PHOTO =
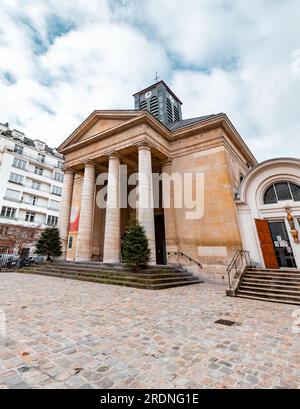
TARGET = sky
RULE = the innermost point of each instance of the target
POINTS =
(62, 59)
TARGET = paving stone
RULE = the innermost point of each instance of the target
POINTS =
(74, 381)
(105, 383)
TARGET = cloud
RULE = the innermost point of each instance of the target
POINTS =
(59, 60)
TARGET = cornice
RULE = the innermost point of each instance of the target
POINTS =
(136, 118)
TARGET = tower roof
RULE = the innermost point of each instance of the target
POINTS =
(155, 86)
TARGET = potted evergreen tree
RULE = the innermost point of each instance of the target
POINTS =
(135, 248)
(49, 243)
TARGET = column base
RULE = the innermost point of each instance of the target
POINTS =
(111, 261)
(80, 259)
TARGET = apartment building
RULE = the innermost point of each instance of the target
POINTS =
(31, 180)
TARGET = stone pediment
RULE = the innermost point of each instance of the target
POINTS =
(96, 123)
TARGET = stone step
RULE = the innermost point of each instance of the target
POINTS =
(269, 299)
(269, 275)
(267, 295)
(106, 268)
(270, 289)
(145, 285)
(114, 273)
(267, 283)
(271, 280)
(275, 270)
(98, 265)
(111, 276)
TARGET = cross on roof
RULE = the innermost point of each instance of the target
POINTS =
(156, 77)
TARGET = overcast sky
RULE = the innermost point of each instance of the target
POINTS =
(61, 59)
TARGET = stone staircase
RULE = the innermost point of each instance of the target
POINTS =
(281, 286)
(150, 278)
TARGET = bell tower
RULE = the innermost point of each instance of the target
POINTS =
(160, 101)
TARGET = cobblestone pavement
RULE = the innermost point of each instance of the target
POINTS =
(72, 334)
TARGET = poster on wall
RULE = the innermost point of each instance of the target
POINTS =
(74, 219)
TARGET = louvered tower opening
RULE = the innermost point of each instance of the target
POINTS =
(176, 114)
(169, 111)
(143, 105)
(154, 106)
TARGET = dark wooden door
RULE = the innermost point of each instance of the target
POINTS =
(160, 242)
(266, 243)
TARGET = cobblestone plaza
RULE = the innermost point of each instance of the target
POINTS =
(68, 334)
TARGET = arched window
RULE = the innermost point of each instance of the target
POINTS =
(282, 191)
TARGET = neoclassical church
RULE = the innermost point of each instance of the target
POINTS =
(154, 138)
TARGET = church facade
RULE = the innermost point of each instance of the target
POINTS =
(153, 139)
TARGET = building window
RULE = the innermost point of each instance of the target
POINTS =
(52, 220)
(11, 194)
(18, 149)
(53, 204)
(70, 242)
(58, 176)
(38, 171)
(56, 190)
(41, 158)
(35, 185)
(60, 165)
(19, 163)
(29, 217)
(15, 178)
(282, 191)
(8, 212)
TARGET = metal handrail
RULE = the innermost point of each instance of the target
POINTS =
(240, 257)
(176, 253)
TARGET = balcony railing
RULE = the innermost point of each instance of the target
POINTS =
(31, 158)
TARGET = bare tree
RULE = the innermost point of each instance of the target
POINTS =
(22, 236)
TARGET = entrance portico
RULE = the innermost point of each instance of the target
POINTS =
(82, 242)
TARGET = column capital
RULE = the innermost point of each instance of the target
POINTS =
(89, 163)
(68, 170)
(167, 162)
(143, 145)
(113, 155)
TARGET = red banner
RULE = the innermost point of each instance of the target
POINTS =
(74, 219)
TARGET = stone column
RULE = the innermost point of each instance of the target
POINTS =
(169, 210)
(145, 208)
(84, 240)
(112, 242)
(65, 210)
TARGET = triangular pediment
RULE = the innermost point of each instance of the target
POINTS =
(97, 123)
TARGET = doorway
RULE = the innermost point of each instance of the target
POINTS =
(282, 245)
(160, 241)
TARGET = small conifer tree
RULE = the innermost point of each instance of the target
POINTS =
(135, 248)
(49, 243)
